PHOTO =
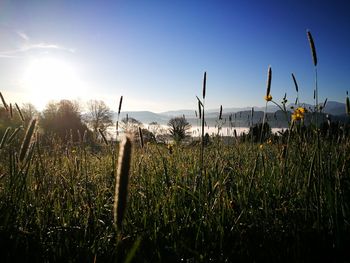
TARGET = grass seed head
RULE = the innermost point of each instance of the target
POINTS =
(268, 97)
(204, 84)
(11, 111)
(120, 104)
(295, 83)
(122, 181)
(325, 103)
(199, 108)
(4, 102)
(19, 112)
(312, 47)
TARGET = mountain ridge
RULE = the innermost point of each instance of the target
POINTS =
(332, 107)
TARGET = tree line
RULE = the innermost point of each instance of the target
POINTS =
(65, 120)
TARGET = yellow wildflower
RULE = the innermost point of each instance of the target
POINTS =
(299, 114)
(296, 117)
(268, 98)
(301, 110)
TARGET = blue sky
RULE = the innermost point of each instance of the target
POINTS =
(154, 53)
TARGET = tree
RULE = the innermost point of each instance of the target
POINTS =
(179, 128)
(156, 129)
(29, 112)
(99, 115)
(62, 119)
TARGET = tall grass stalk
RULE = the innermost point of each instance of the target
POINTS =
(4, 137)
(103, 136)
(19, 112)
(26, 140)
(296, 88)
(13, 135)
(11, 111)
(122, 181)
(201, 115)
(203, 120)
(141, 138)
(319, 178)
(267, 98)
(252, 123)
(314, 60)
(119, 109)
(4, 102)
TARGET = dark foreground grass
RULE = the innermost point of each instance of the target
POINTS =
(276, 202)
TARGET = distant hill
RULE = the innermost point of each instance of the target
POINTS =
(335, 108)
(175, 113)
(143, 116)
(332, 107)
(241, 117)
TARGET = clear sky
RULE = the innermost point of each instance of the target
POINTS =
(154, 53)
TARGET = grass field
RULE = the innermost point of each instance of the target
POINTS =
(286, 199)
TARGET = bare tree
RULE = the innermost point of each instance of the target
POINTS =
(179, 128)
(156, 128)
(99, 115)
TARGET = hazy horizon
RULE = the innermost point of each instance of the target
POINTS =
(155, 53)
(83, 107)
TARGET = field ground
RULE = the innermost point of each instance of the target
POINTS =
(286, 199)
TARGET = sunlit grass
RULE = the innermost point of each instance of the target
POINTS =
(257, 200)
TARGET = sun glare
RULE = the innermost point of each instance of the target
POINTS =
(48, 79)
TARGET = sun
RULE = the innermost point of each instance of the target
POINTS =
(49, 78)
